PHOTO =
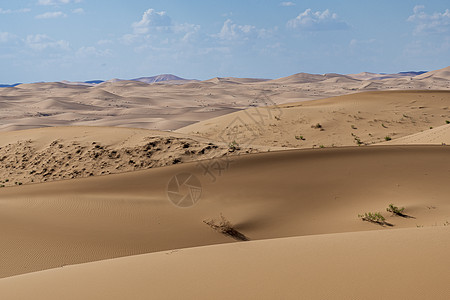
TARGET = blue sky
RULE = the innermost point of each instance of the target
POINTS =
(53, 40)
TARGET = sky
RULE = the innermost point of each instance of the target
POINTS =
(79, 40)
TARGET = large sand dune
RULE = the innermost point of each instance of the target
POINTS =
(57, 153)
(395, 264)
(350, 120)
(150, 227)
(269, 195)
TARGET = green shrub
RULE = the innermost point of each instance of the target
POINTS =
(395, 210)
(376, 218)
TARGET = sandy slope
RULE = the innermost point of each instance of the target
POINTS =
(396, 264)
(268, 195)
(56, 153)
(435, 136)
(364, 118)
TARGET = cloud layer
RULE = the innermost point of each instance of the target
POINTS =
(430, 23)
(317, 21)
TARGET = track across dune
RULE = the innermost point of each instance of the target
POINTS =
(268, 195)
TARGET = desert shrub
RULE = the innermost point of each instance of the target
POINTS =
(376, 218)
(387, 138)
(300, 137)
(225, 227)
(233, 146)
(395, 210)
(447, 122)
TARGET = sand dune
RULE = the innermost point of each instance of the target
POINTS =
(49, 154)
(181, 103)
(268, 195)
(149, 227)
(394, 264)
(435, 136)
(350, 120)
(441, 73)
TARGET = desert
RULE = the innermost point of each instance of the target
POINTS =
(79, 199)
(224, 150)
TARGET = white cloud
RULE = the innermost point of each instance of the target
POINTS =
(317, 21)
(287, 3)
(151, 18)
(188, 30)
(6, 37)
(57, 2)
(51, 15)
(42, 42)
(10, 11)
(92, 51)
(104, 42)
(430, 23)
(232, 31)
(78, 11)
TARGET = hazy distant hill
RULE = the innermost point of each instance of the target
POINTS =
(9, 85)
(158, 78)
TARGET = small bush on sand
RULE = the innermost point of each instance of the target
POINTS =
(376, 218)
(395, 210)
(387, 138)
(225, 227)
(233, 146)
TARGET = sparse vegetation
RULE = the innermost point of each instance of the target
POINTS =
(384, 126)
(317, 126)
(321, 146)
(225, 227)
(354, 127)
(387, 138)
(376, 218)
(300, 137)
(233, 146)
(447, 122)
(395, 210)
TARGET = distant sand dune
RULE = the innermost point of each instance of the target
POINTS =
(350, 120)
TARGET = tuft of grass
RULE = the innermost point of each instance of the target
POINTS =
(376, 218)
(447, 122)
(226, 228)
(394, 209)
(384, 126)
(233, 146)
(397, 211)
(300, 137)
(387, 138)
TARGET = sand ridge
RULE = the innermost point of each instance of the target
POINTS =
(172, 106)
(351, 120)
(266, 195)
